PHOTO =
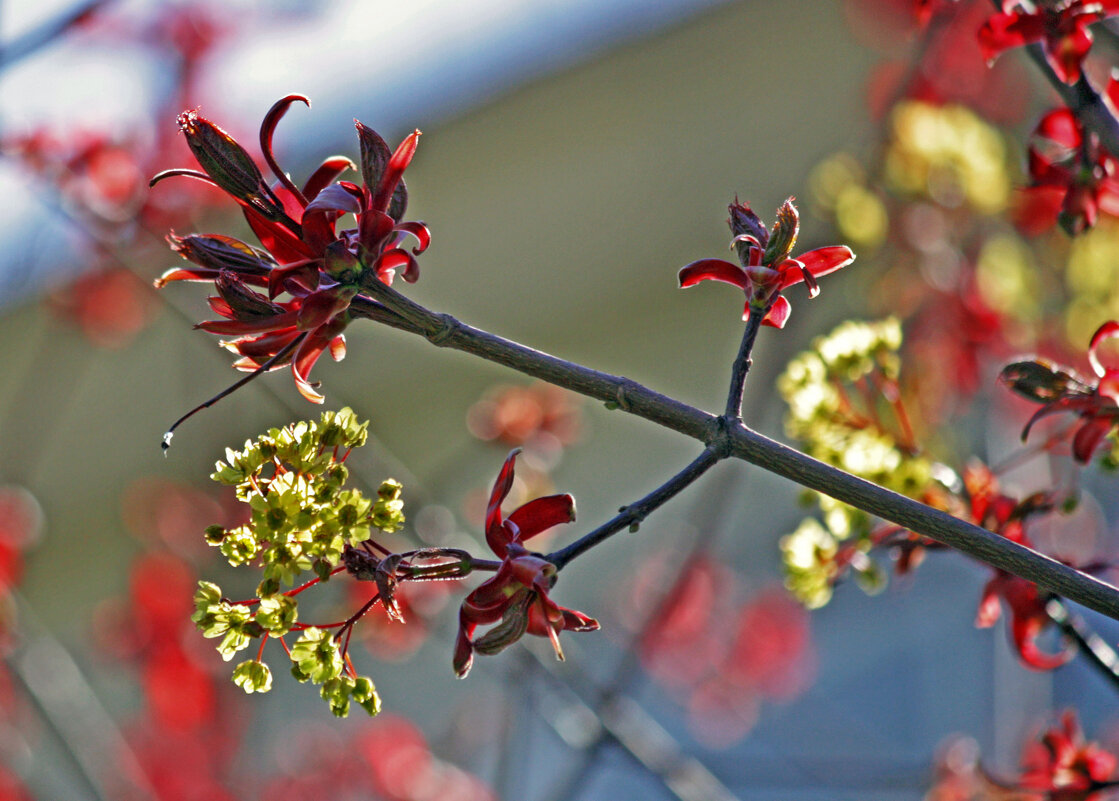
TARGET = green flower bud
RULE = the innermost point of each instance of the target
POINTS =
(253, 677)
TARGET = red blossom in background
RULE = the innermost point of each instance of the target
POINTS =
(1062, 390)
(1026, 604)
(320, 268)
(1072, 178)
(517, 594)
(720, 655)
(1062, 764)
(767, 269)
(1060, 26)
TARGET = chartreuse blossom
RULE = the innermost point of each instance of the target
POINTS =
(844, 407)
(302, 519)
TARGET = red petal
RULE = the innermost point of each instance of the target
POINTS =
(277, 238)
(418, 230)
(1003, 31)
(327, 172)
(1089, 436)
(1105, 331)
(541, 514)
(1061, 127)
(338, 348)
(395, 259)
(400, 160)
(823, 261)
(713, 270)
(1025, 631)
(495, 531)
(1066, 53)
(267, 128)
(989, 607)
(779, 314)
(186, 274)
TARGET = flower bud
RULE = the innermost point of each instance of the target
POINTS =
(784, 235)
(227, 163)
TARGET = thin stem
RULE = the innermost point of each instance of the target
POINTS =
(742, 364)
(268, 365)
(1099, 654)
(743, 443)
(631, 516)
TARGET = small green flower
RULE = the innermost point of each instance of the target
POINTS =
(239, 545)
(253, 677)
(277, 614)
(316, 655)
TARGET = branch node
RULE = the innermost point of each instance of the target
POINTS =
(621, 400)
(447, 328)
(719, 439)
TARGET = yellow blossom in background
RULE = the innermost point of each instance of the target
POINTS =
(948, 154)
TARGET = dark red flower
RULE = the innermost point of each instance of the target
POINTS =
(1061, 26)
(516, 596)
(767, 268)
(320, 268)
(1062, 390)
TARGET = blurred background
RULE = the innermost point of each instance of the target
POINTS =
(575, 155)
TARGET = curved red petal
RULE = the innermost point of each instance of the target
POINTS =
(1089, 436)
(267, 128)
(1105, 331)
(541, 514)
(779, 314)
(420, 231)
(397, 259)
(500, 490)
(823, 261)
(400, 160)
(713, 270)
(326, 174)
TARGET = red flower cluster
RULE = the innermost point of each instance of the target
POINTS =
(1061, 26)
(767, 269)
(1062, 764)
(1028, 618)
(1062, 390)
(320, 269)
(517, 594)
(1072, 178)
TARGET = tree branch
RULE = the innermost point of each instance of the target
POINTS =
(743, 443)
(631, 516)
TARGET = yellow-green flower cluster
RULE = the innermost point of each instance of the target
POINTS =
(301, 519)
(836, 402)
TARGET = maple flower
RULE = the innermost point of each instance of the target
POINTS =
(1066, 767)
(516, 596)
(1060, 26)
(1062, 390)
(1072, 178)
(320, 268)
(1028, 619)
(766, 267)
